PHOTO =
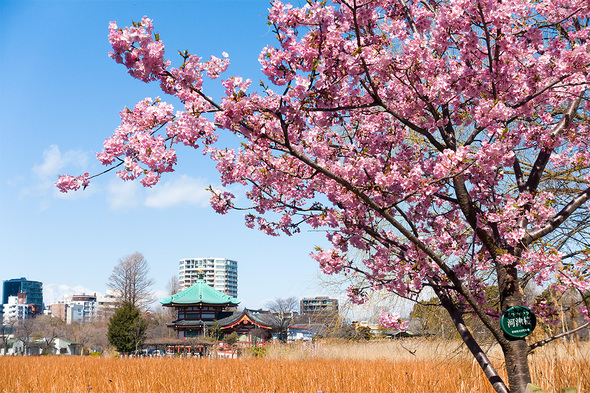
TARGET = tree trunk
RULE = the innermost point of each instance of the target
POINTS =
(515, 350)
(517, 365)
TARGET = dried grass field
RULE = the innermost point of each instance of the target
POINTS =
(370, 367)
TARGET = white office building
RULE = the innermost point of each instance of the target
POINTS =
(107, 304)
(75, 308)
(16, 310)
(219, 273)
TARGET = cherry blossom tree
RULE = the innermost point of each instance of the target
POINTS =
(447, 140)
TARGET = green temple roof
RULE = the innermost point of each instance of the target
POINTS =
(199, 293)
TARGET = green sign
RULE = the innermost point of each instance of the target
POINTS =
(518, 321)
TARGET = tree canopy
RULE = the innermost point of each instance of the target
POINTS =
(127, 328)
(448, 141)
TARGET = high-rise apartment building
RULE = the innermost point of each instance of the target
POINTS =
(219, 273)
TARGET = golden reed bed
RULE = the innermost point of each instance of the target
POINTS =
(275, 373)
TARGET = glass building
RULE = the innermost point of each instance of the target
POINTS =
(26, 291)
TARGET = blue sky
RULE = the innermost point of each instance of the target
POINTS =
(60, 97)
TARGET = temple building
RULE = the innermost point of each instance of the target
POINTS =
(201, 309)
(198, 308)
(251, 326)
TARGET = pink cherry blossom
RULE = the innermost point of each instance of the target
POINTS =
(438, 145)
(69, 183)
(392, 321)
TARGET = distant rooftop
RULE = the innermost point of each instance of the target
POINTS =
(20, 280)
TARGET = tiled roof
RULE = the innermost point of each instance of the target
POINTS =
(186, 322)
(263, 319)
(176, 341)
(199, 293)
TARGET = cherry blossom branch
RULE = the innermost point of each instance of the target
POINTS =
(488, 44)
(121, 162)
(374, 91)
(538, 168)
(408, 16)
(558, 219)
(342, 108)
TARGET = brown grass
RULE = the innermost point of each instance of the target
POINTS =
(371, 367)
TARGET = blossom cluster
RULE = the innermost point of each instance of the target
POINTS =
(392, 321)
(70, 183)
(545, 312)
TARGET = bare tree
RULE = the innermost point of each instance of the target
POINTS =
(169, 314)
(130, 277)
(285, 305)
(48, 328)
(173, 286)
(92, 335)
(7, 328)
(24, 333)
(283, 309)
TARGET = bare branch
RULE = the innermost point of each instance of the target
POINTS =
(552, 338)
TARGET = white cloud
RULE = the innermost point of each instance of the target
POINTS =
(55, 292)
(180, 191)
(123, 194)
(54, 161)
(46, 174)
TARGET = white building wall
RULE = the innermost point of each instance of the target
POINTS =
(87, 308)
(107, 304)
(219, 273)
(74, 313)
(15, 311)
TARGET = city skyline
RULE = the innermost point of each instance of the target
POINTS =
(87, 305)
(55, 293)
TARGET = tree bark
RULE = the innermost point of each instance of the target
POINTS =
(517, 365)
(515, 350)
